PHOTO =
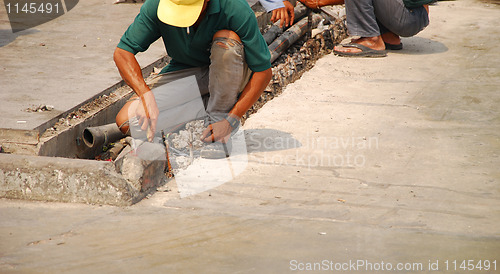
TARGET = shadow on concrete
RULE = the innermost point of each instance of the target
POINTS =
(421, 46)
(7, 36)
(263, 139)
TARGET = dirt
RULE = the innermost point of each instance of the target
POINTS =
(85, 112)
(39, 108)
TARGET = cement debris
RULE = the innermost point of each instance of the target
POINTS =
(39, 108)
(184, 146)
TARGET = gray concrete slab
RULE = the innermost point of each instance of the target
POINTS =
(52, 179)
(372, 161)
(63, 62)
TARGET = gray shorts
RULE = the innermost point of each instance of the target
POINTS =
(196, 93)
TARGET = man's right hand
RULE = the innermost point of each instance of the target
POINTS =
(147, 112)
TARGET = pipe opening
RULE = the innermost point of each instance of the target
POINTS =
(88, 138)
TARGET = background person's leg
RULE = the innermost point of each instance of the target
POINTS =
(362, 22)
(361, 19)
(395, 17)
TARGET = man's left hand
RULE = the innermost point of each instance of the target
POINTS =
(217, 132)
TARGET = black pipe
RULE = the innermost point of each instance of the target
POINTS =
(275, 30)
(291, 36)
(97, 137)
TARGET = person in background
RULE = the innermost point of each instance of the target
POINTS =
(379, 24)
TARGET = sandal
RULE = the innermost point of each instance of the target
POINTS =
(365, 51)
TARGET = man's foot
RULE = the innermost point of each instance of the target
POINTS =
(392, 41)
(216, 150)
(362, 47)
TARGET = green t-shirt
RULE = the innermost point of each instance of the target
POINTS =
(193, 49)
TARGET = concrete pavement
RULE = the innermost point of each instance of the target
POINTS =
(63, 62)
(388, 162)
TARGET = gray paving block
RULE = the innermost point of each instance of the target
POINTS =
(74, 180)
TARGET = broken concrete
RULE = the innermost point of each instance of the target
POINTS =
(79, 181)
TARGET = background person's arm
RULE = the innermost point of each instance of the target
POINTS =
(285, 14)
(315, 4)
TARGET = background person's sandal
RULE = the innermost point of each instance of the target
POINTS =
(393, 47)
(365, 51)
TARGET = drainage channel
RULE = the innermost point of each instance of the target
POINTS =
(65, 168)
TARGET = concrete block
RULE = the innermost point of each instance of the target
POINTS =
(73, 180)
(143, 167)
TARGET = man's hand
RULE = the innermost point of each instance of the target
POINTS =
(147, 112)
(221, 131)
(217, 132)
(286, 15)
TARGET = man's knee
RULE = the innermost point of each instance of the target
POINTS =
(122, 118)
(226, 34)
(226, 46)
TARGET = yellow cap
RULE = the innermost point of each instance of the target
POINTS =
(180, 13)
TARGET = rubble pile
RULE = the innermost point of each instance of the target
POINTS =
(185, 145)
(39, 108)
(190, 137)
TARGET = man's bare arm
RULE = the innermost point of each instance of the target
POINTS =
(132, 75)
(130, 71)
(252, 92)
